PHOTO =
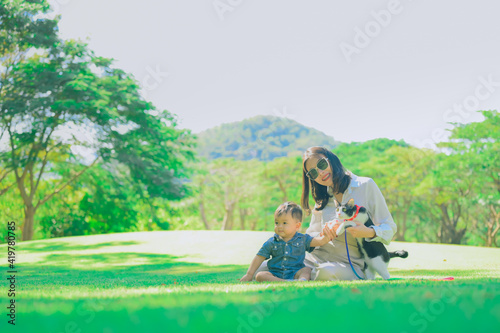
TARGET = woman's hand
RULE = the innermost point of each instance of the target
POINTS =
(361, 231)
(246, 277)
(330, 233)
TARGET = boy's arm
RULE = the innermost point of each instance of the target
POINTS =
(320, 240)
(326, 235)
(254, 265)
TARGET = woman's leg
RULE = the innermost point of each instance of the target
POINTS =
(303, 273)
(329, 271)
(331, 261)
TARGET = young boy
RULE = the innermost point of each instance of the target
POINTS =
(287, 248)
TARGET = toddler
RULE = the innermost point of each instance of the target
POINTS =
(287, 248)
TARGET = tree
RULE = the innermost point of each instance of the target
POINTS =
(4, 173)
(66, 97)
(231, 190)
(477, 147)
(22, 26)
(353, 155)
(101, 200)
(228, 183)
(284, 173)
(445, 192)
(200, 183)
(398, 170)
(20, 32)
(11, 208)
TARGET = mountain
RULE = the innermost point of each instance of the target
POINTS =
(261, 137)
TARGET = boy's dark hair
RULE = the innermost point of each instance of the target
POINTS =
(289, 206)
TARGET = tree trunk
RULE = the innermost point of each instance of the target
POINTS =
(253, 224)
(403, 227)
(243, 213)
(404, 221)
(457, 236)
(202, 209)
(440, 234)
(227, 223)
(153, 218)
(30, 210)
(400, 234)
(203, 215)
(283, 189)
(449, 233)
(29, 217)
(493, 227)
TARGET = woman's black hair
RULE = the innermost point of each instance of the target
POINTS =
(340, 178)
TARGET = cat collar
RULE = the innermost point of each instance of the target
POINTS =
(355, 215)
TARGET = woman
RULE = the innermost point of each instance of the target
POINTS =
(331, 185)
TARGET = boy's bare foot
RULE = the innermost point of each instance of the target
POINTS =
(302, 279)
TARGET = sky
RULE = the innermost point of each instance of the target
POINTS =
(355, 70)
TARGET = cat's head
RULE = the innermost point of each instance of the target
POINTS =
(346, 211)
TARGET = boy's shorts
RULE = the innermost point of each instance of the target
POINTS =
(286, 275)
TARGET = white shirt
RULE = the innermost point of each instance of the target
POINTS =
(366, 193)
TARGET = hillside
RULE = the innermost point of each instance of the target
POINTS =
(261, 137)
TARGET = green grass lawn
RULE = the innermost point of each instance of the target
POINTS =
(187, 281)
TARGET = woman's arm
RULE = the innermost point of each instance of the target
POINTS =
(384, 227)
(362, 231)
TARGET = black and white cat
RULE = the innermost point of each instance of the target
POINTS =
(375, 254)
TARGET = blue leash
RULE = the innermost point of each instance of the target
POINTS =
(348, 257)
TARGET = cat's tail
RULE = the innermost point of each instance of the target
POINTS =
(399, 254)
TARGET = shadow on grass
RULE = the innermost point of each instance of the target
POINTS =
(125, 269)
(455, 307)
(140, 270)
(64, 246)
(281, 307)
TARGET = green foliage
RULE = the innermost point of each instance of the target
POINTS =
(60, 97)
(433, 197)
(262, 137)
(141, 173)
(22, 28)
(475, 169)
(100, 201)
(398, 171)
(232, 194)
(355, 154)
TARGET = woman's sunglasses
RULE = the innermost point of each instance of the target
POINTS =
(321, 165)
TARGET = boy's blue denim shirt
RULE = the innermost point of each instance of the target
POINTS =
(286, 258)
